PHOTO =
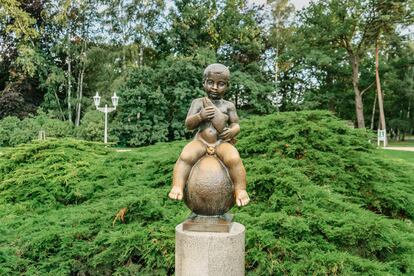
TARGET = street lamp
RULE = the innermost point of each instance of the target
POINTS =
(106, 110)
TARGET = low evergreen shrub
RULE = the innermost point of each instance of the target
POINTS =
(14, 131)
(7, 126)
(91, 127)
(324, 202)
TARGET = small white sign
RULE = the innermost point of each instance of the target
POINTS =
(382, 136)
(42, 135)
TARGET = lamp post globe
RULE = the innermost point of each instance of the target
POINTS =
(115, 99)
(97, 99)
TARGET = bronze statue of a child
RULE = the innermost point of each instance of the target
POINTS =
(218, 124)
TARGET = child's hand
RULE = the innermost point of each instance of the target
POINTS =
(227, 134)
(207, 113)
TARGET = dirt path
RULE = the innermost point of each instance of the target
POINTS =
(400, 148)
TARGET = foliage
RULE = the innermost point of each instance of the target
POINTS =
(332, 155)
(58, 54)
(192, 27)
(14, 131)
(22, 57)
(7, 126)
(346, 33)
(250, 91)
(155, 101)
(91, 127)
(398, 76)
(324, 201)
(19, 99)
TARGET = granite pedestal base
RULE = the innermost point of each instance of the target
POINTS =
(209, 253)
(199, 223)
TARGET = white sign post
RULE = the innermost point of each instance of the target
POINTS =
(382, 136)
(42, 135)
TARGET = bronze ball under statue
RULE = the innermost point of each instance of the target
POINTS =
(209, 190)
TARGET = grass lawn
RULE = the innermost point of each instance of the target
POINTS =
(407, 143)
(407, 156)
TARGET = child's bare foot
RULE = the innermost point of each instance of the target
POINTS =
(176, 193)
(242, 198)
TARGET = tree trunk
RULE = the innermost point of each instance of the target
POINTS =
(277, 58)
(85, 28)
(379, 92)
(69, 88)
(359, 107)
(373, 112)
(277, 65)
(62, 115)
(141, 55)
(80, 94)
(77, 99)
(80, 80)
(236, 99)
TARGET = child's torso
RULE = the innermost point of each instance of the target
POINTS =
(207, 131)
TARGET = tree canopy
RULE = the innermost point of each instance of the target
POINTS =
(57, 54)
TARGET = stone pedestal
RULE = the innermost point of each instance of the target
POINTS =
(208, 253)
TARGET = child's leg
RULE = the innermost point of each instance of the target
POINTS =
(231, 158)
(191, 153)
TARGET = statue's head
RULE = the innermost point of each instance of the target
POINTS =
(216, 80)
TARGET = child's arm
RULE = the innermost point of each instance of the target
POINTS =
(197, 114)
(234, 127)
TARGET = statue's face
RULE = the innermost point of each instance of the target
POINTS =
(215, 85)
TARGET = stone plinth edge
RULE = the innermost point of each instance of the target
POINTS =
(209, 253)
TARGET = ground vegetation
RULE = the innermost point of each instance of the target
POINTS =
(324, 201)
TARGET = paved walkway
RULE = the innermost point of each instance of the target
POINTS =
(400, 148)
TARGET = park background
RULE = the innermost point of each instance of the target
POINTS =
(305, 84)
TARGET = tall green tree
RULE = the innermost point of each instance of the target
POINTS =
(21, 58)
(280, 46)
(191, 27)
(398, 86)
(280, 31)
(349, 25)
(133, 22)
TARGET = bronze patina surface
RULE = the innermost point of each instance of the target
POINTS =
(209, 173)
(209, 190)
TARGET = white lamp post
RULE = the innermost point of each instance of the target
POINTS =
(106, 110)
